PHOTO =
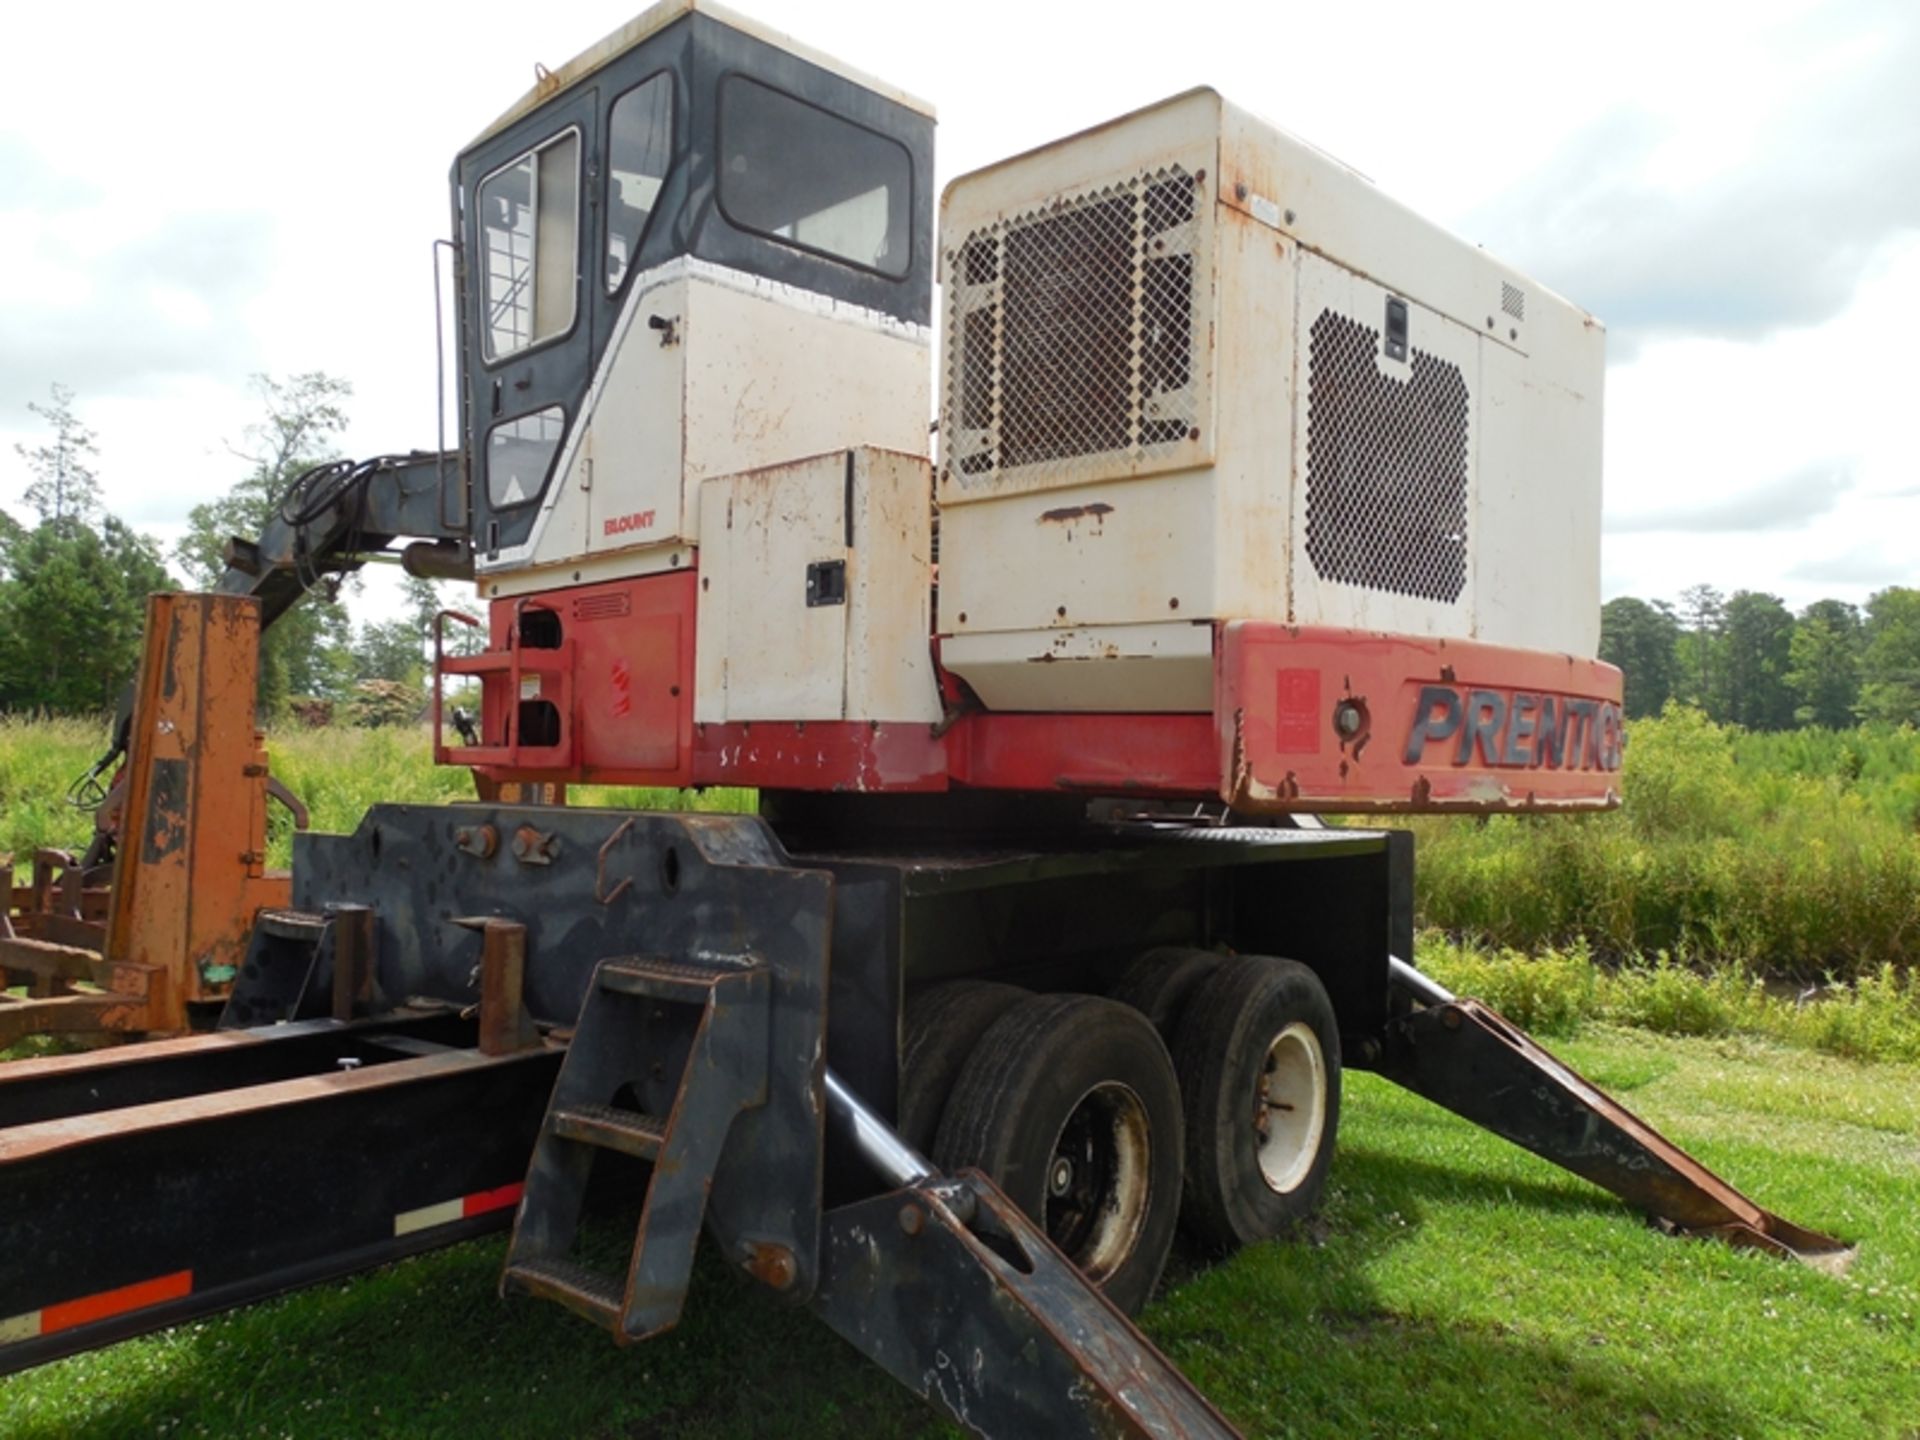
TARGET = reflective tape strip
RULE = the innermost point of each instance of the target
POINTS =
(481, 1201)
(463, 1207)
(19, 1327)
(103, 1305)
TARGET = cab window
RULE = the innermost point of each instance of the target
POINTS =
(529, 238)
(639, 143)
(797, 174)
(520, 456)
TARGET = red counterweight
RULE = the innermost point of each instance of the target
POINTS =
(595, 685)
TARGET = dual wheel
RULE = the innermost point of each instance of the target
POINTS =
(1204, 1093)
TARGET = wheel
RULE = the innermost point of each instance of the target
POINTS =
(1161, 982)
(1258, 1056)
(942, 1025)
(1070, 1105)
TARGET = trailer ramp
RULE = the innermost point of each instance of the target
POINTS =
(953, 1291)
(1464, 1056)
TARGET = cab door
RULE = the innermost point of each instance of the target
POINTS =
(529, 212)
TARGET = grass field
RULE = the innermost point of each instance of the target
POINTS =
(337, 772)
(1797, 854)
(1455, 1287)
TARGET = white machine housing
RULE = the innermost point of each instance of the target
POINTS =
(1195, 370)
(709, 373)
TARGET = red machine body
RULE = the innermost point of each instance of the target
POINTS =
(595, 685)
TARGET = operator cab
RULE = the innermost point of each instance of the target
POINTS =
(697, 248)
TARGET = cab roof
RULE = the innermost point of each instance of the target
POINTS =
(655, 19)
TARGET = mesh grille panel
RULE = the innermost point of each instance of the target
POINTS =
(1071, 334)
(1513, 300)
(1068, 347)
(1386, 466)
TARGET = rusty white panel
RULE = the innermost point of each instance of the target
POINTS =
(1326, 206)
(618, 482)
(1124, 552)
(890, 675)
(1533, 522)
(632, 465)
(593, 570)
(1384, 447)
(764, 652)
(1452, 491)
(1163, 668)
(1252, 515)
(1537, 510)
(1078, 284)
(710, 371)
(775, 373)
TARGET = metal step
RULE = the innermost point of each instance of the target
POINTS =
(612, 1128)
(685, 982)
(594, 1294)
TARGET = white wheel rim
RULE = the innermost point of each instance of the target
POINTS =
(1290, 1107)
(1097, 1206)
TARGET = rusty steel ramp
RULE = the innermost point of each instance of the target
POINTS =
(1464, 1056)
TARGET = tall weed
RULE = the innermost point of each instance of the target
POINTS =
(1558, 992)
(1792, 854)
(40, 756)
(337, 772)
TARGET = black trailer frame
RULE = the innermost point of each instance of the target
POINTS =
(433, 1032)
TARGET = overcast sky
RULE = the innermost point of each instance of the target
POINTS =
(194, 192)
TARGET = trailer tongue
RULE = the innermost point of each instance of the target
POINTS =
(1256, 497)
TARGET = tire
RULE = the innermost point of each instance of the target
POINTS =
(1161, 982)
(1258, 1056)
(1070, 1105)
(941, 1026)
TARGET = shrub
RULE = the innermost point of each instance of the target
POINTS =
(1876, 1017)
(1552, 994)
(1791, 854)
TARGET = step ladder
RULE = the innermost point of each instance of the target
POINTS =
(639, 1013)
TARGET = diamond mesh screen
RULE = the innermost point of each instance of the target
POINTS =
(1070, 334)
(1386, 466)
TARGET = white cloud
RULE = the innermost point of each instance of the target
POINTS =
(255, 187)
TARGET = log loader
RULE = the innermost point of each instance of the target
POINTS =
(1256, 497)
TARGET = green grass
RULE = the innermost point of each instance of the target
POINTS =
(39, 758)
(1875, 1016)
(1796, 855)
(340, 772)
(1455, 1286)
(337, 772)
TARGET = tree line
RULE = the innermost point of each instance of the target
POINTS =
(74, 578)
(1746, 659)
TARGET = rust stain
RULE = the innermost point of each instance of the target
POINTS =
(772, 1265)
(1067, 514)
(1240, 768)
